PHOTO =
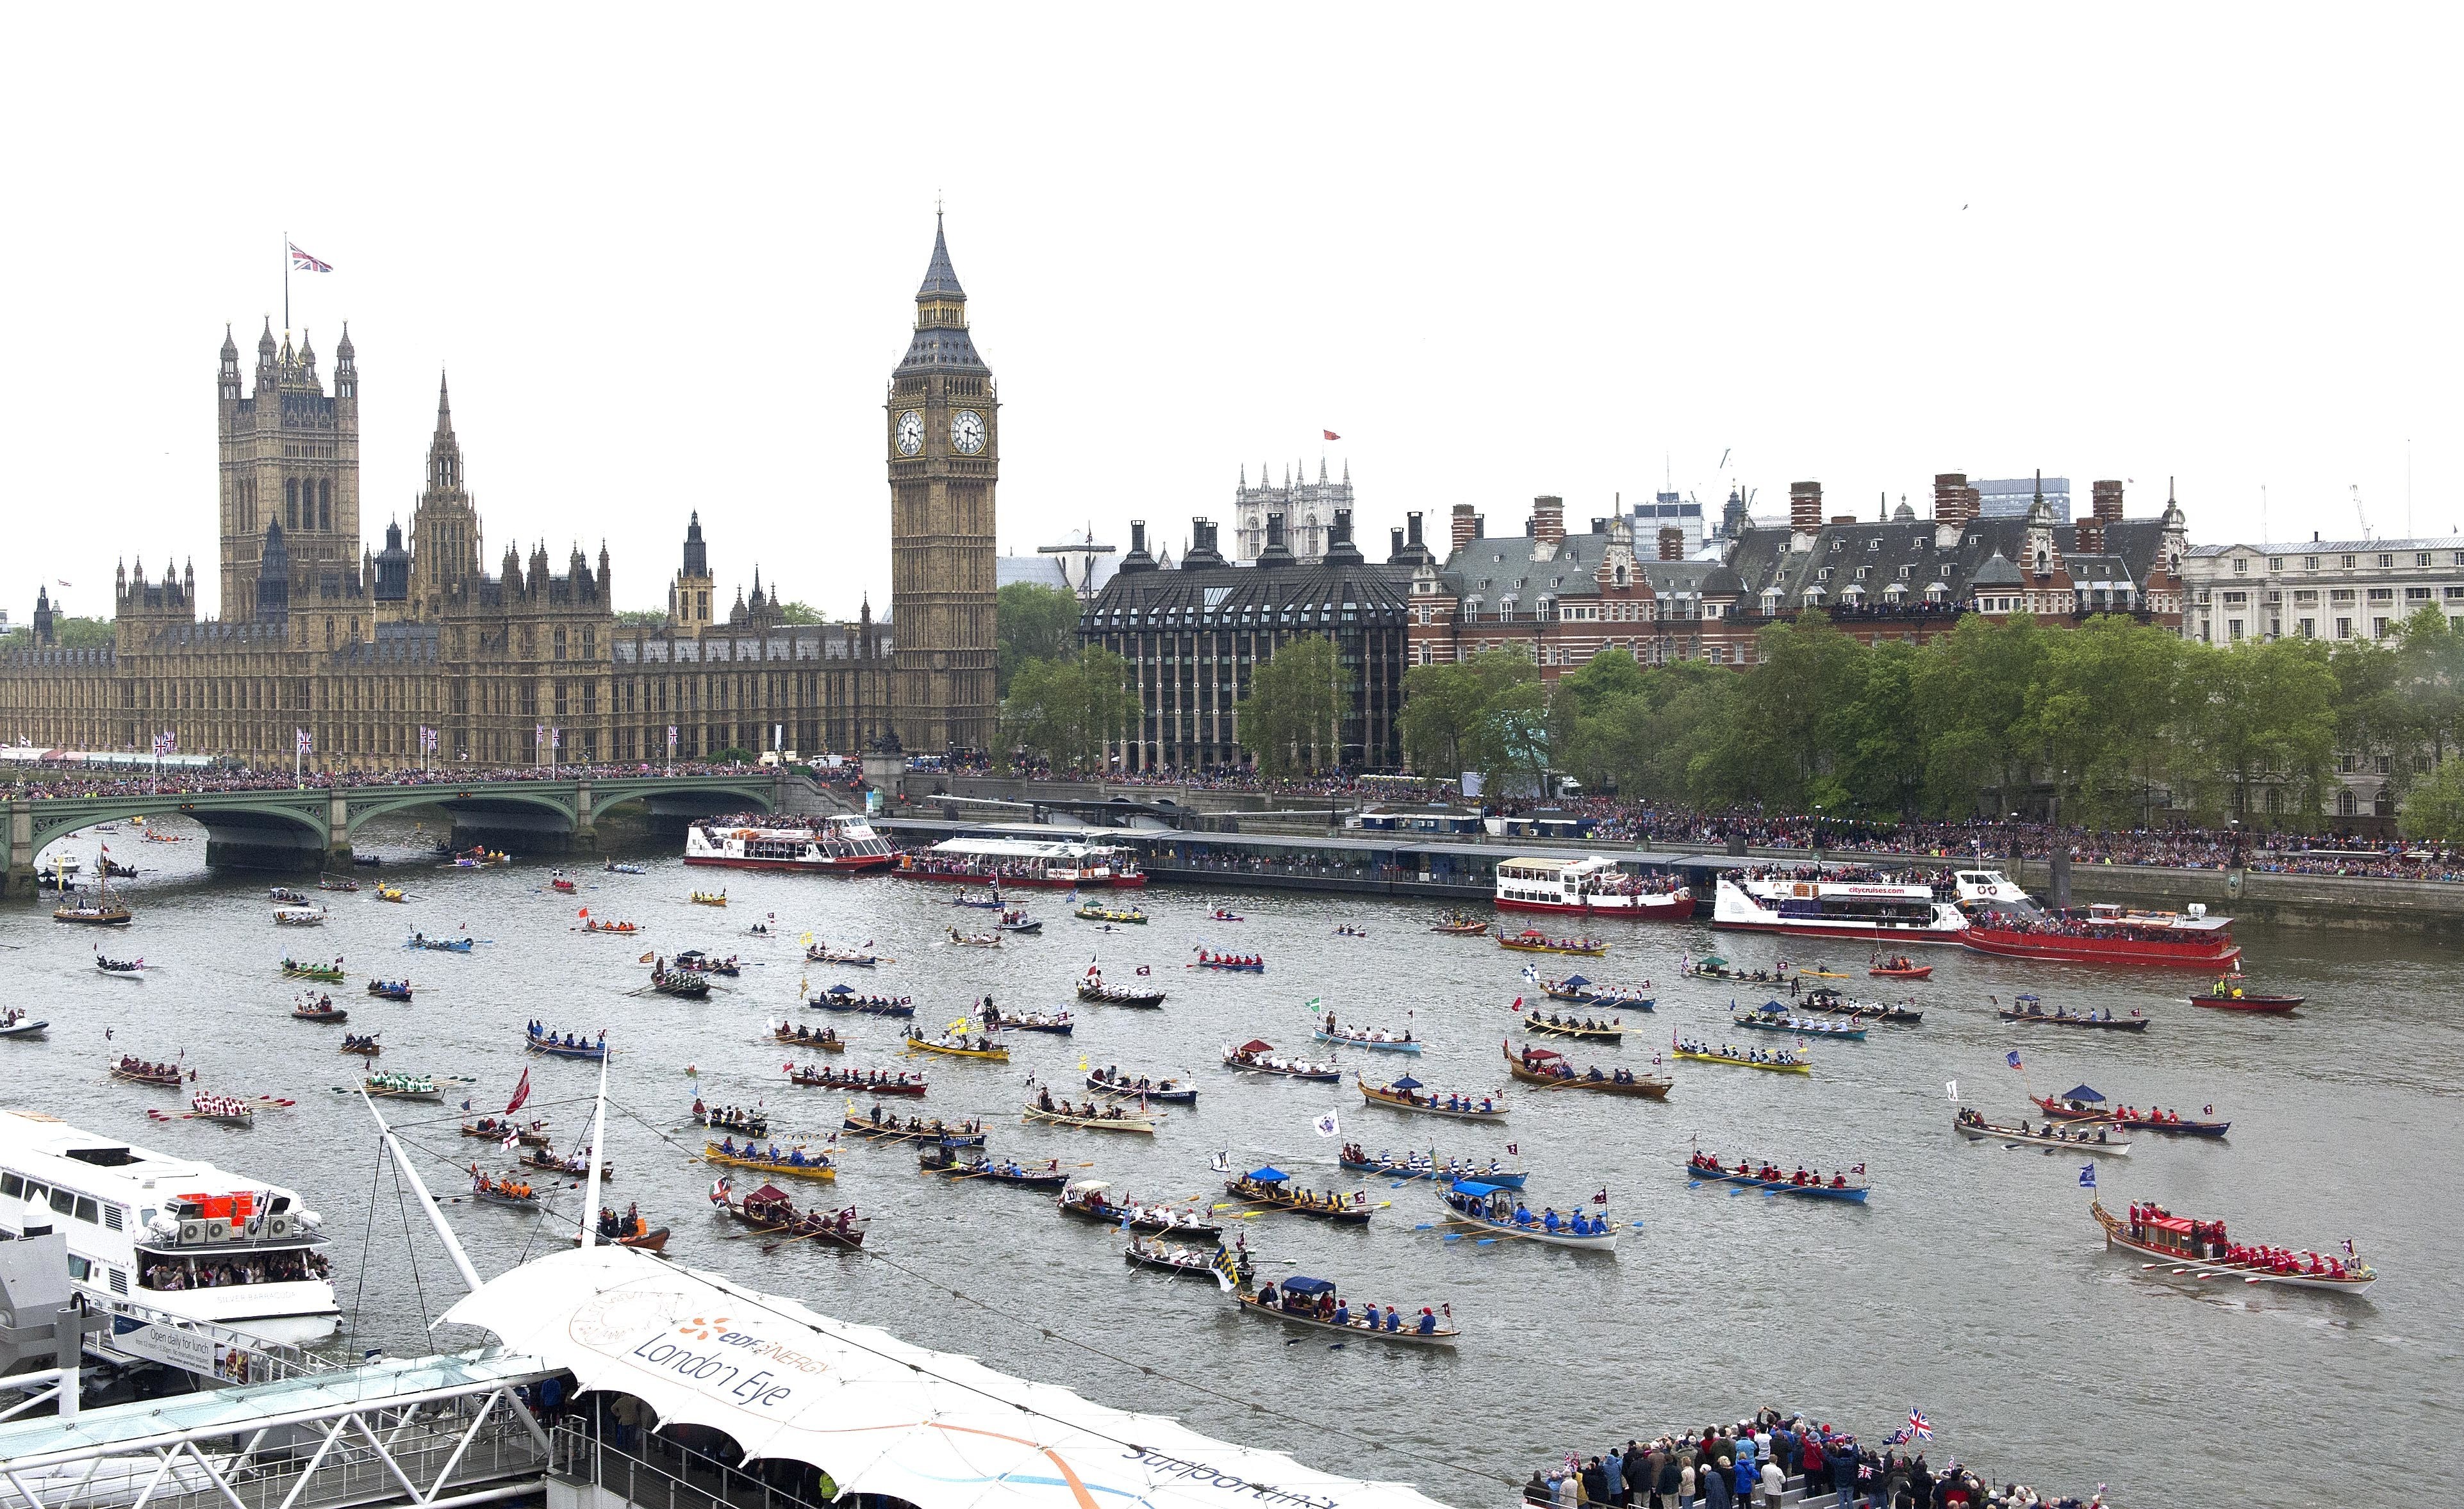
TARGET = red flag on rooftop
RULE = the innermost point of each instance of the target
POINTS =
(1330, 434)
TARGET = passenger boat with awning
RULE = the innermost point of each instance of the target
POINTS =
(1499, 1210)
(2184, 1245)
(1870, 909)
(2107, 935)
(1298, 1300)
(841, 843)
(1590, 888)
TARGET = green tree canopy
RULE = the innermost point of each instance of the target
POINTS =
(1291, 718)
(1069, 711)
(1031, 623)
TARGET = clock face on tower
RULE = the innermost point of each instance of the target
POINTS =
(967, 431)
(910, 433)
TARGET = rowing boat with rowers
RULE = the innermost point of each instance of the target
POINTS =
(1092, 1118)
(839, 997)
(1830, 1002)
(769, 1209)
(315, 1011)
(1093, 989)
(496, 1128)
(1494, 1208)
(2082, 1104)
(1235, 963)
(1585, 992)
(1404, 1095)
(1531, 940)
(1162, 1092)
(1456, 924)
(955, 1047)
(1322, 1309)
(1772, 1017)
(539, 1038)
(1769, 1176)
(1587, 1029)
(797, 1035)
(795, 1162)
(2189, 1246)
(1376, 1039)
(1975, 1127)
(1091, 912)
(858, 1081)
(1269, 1189)
(2036, 1012)
(950, 1161)
(1086, 1200)
(139, 1071)
(1057, 1023)
(1551, 1068)
(853, 958)
(877, 1127)
(1789, 1061)
(1189, 1262)
(1258, 1055)
(1356, 1159)
(329, 974)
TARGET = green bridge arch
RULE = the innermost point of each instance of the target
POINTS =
(327, 818)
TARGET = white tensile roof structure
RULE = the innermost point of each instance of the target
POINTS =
(878, 1414)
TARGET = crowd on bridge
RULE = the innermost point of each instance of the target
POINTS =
(1751, 1465)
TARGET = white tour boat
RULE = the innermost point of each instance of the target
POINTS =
(173, 1234)
(844, 841)
(1866, 910)
(1031, 857)
(1588, 887)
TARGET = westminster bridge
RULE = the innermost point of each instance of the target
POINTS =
(308, 827)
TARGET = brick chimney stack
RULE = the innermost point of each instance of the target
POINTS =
(1466, 525)
(1549, 520)
(2108, 502)
(1951, 493)
(1804, 514)
(1672, 542)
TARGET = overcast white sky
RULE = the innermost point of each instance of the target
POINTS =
(668, 257)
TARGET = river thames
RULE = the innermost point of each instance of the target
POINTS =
(1974, 1285)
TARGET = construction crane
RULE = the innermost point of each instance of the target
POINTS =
(2358, 513)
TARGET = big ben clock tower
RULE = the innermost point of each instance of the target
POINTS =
(944, 460)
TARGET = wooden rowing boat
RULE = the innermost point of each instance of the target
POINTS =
(816, 1166)
(1356, 1160)
(854, 1082)
(2170, 1239)
(768, 1208)
(1271, 1195)
(1532, 940)
(1976, 1128)
(943, 1158)
(1095, 990)
(954, 1048)
(1085, 1199)
(1550, 1026)
(1125, 1122)
(1796, 1063)
(1189, 1262)
(1489, 1206)
(1701, 1167)
(964, 1134)
(1162, 1092)
(1441, 1336)
(1403, 1095)
(2242, 1001)
(1533, 1067)
(2131, 1023)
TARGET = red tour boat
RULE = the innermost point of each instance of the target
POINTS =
(2108, 934)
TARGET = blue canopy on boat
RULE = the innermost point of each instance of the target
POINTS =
(1269, 1174)
(1475, 1186)
(1771, 1009)
(839, 990)
(1406, 1082)
(1297, 1284)
(1573, 983)
(2082, 1092)
(2031, 997)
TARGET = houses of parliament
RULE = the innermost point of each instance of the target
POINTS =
(364, 651)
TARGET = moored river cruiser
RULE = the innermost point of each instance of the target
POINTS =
(840, 842)
(1593, 886)
(1861, 909)
(2108, 934)
(173, 1234)
(1039, 859)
